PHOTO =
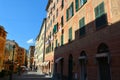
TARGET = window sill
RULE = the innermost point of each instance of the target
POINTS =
(70, 18)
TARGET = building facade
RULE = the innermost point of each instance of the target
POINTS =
(86, 38)
(10, 55)
(40, 46)
(31, 53)
(21, 56)
(51, 37)
(3, 34)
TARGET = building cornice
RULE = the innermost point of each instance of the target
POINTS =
(48, 4)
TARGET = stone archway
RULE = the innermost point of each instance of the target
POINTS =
(83, 65)
(103, 61)
(70, 67)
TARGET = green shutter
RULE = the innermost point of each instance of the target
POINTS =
(72, 9)
(79, 23)
(55, 28)
(52, 47)
(67, 15)
(82, 22)
(70, 33)
(96, 12)
(77, 5)
(82, 26)
(56, 43)
(62, 39)
(53, 31)
(101, 8)
(84, 1)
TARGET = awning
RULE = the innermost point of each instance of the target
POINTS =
(58, 59)
(82, 57)
(44, 63)
(101, 55)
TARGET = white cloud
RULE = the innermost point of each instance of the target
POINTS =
(30, 41)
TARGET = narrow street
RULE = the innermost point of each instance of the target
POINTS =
(31, 75)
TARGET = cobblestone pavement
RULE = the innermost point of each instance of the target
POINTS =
(31, 75)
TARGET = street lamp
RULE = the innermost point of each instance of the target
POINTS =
(12, 65)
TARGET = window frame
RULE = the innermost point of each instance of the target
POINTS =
(98, 11)
(62, 21)
(100, 16)
(82, 30)
(78, 4)
(70, 11)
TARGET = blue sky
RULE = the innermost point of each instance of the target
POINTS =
(22, 19)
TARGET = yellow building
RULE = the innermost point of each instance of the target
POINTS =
(2, 45)
(21, 56)
(85, 37)
(39, 55)
(31, 53)
(9, 56)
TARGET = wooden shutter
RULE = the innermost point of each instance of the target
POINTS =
(70, 33)
(62, 39)
(77, 4)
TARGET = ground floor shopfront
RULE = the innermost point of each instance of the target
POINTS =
(47, 66)
(93, 57)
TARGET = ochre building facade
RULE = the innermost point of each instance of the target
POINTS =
(84, 37)
(3, 34)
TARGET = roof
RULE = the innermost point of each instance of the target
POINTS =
(41, 28)
(48, 4)
(2, 27)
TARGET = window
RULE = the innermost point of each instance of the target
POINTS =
(103, 61)
(70, 34)
(62, 21)
(51, 11)
(99, 10)
(53, 18)
(55, 29)
(69, 12)
(82, 26)
(62, 39)
(48, 49)
(50, 35)
(79, 3)
(101, 17)
(57, 13)
(62, 5)
(56, 43)
(54, 7)
(83, 65)
(57, 1)
(52, 46)
(50, 22)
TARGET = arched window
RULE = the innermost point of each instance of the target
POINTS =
(103, 61)
(70, 67)
(102, 48)
(83, 66)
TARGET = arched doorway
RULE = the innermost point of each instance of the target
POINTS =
(83, 65)
(103, 60)
(70, 67)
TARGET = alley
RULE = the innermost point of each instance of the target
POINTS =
(31, 75)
